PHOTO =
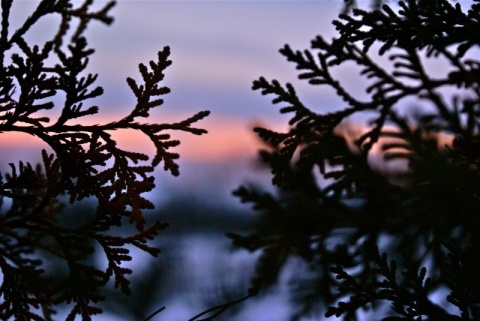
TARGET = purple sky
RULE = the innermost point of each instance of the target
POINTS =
(218, 49)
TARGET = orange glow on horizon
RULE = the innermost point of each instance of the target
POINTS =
(227, 139)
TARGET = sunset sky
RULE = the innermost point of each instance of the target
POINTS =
(218, 49)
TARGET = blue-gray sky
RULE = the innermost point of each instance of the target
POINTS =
(218, 49)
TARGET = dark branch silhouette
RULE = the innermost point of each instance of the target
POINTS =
(84, 162)
(422, 213)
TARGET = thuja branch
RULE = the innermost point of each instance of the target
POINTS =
(387, 87)
(339, 185)
(85, 162)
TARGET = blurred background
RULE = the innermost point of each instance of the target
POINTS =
(218, 49)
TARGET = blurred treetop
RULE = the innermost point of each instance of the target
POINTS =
(340, 213)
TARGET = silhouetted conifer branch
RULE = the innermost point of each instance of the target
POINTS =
(408, 182)
(84, 161)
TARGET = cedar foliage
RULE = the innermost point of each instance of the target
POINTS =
(83, 162)
(403, 244)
